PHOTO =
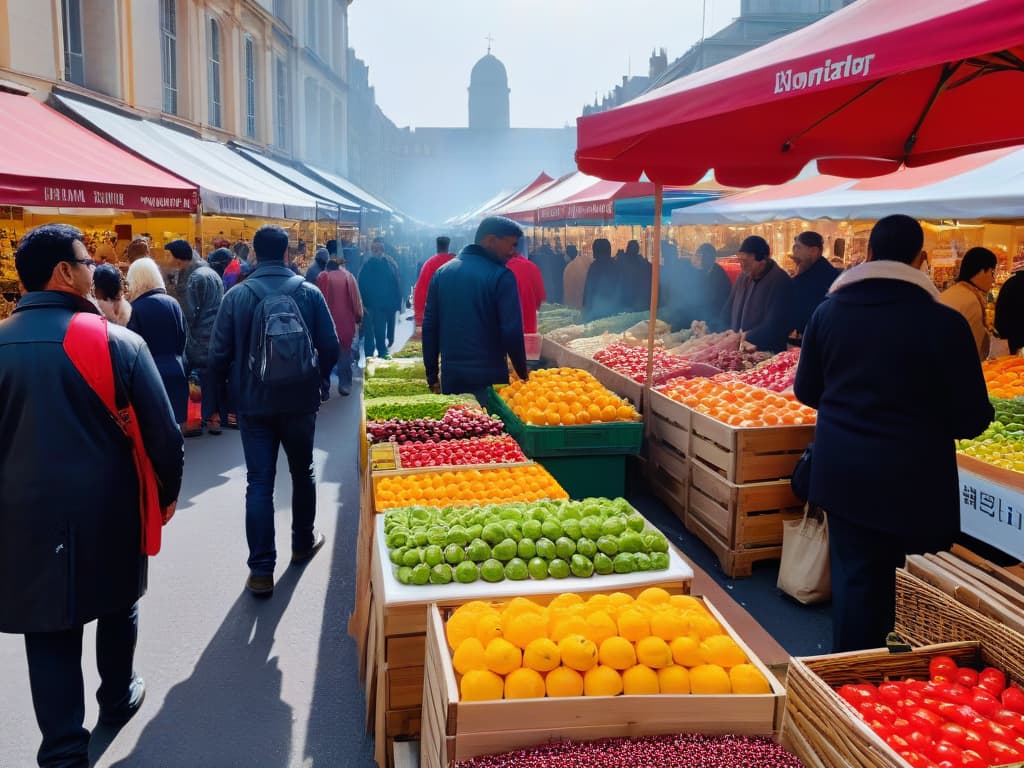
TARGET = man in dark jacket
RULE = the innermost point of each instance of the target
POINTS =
(896, 379)
(472, 318)
(1010, 312)
(814, 276)
(200, 293)
(70, 551)
(319, 265)
(602, 293)
(636, 279)
(761, 302)
(379, 287)
(273, 416)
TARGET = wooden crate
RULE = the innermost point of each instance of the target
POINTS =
(667, 473)
(453, 730)
(668, 421)
(746, 516)
(822, 729)
(623, 386)
(736, 563)
(748, 455)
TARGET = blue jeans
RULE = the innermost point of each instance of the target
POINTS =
(58, 691)
(375, 330)
(262, 436)
(344, 369)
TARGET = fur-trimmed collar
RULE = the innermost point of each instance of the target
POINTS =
(885, 270)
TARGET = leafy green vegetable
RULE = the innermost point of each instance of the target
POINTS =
(413, 406)
(395, 388)
(411, 349)
(395, 369)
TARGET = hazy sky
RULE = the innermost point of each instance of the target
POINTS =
(557, 52)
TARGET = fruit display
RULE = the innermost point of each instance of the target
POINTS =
(738, 404)
(777, 374)
(685, 750)
(394, 369)
(605, 645)
(458, 422)
(394, 388)
(631, 361)
(614, 324)
(410, 349)
(1004, 376)
(522, 541)
(588, 346)
(551, 317)
(959, 717)
(467, 487)
(1002, 443)
(468, 451)
(565, 397)
(411, 407)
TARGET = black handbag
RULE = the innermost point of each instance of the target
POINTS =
(800, 482)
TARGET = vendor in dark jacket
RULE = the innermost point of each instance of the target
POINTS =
(761, 302)
(70, 550)
(636, 279)
(603, 291)
(896, 379)
(1010, 311)
(472, 318)
(814, 276)
(382, 296)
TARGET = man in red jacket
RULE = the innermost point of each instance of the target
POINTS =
(530, 281)
(434, 263)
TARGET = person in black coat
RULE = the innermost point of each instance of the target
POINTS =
(70, 534)
(696, 292)
(814, 276)
(382, 295)
(158, 319)
(1010, 312)
(636, 275)
(761, 303)
(896, 379)
(602, 294)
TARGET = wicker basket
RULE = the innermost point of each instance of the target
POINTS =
(926, 615)
(822, 729)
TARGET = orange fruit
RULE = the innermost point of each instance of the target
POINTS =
(640, 681)
(686, 651)
(722, 650)
(746, 678)
(481, 685)
(521, 630)
(709, 679)
(542, 655)
(654, 652)
(674, 679)
(524, 684)
(502, 657)
(633, 625)
(578, 652)
(602, 681)
(563, 681)
(617, 652)
(469, 655)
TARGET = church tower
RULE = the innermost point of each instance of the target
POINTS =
(488, 95)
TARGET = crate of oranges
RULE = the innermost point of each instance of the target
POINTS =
(567, 412)
(505, 676)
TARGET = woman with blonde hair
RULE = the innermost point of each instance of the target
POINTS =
(158, 319)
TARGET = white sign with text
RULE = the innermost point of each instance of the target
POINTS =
(992, 513)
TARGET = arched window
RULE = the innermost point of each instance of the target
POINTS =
(213, 86)
(250, 87)
(169, 54)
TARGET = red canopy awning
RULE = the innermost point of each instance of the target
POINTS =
(873, 85)
(47, 160)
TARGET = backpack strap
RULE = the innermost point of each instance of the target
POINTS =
(259, 289)
(292, 285)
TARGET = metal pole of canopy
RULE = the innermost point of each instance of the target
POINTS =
(655, 287)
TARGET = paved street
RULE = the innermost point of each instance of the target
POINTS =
(231, 680)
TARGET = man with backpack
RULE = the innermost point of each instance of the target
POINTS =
(275, 341)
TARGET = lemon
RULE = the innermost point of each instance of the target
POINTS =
(488, 627)
(563, 681)
(722, 650)
(674, 679)
(709, 679)
(502, 657)
(468, 656)
(654, 652)
(600, 626)
(633, 625)
(602, 681)
(565, 600)
(640, 681)
(570, 625)
(653, 596)
(617, 653)
(578, 652)
(746, 678)
(703, 625)
(524, 684)
(687, 603)
(619, 599)
(686, 651)
(523, 629)
(542, 655)
(481, 685)
(669, 624)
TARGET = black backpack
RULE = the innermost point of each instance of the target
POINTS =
(281, 351)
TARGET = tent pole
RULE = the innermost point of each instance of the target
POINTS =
(655, 287)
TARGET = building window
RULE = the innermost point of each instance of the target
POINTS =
(213, 86)
(250, 87)
(169, 54)
(74, 51)
(280, 104)
(281, 10)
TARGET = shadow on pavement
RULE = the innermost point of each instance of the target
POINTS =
(209, 459)
(229, 712)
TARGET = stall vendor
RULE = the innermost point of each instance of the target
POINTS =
(814, 276)
(761, 303)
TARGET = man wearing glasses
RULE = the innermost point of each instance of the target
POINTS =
(70, 550)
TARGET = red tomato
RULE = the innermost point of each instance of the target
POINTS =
(953, 733)
(944, 750)
(972, 759)
(884, 730)
(968, 678)
(967, 717)
(992, 680)
(855, 694)
(919, 741)
(1004, 753)
(925, 720)
(983, 702)
(917, 760)
(953, 692)
(942, 665)
(892, 692)
(1010, 719)
(1012, 698)
(897, 742)
(998, 732)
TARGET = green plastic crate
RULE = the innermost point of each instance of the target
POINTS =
(586, 476)
(620, 437)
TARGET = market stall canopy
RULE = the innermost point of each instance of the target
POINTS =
(348, 209)
(349, 189)
(985, 185)
(873, 85)
(553, 193)
(502, 199)
(47, 160)
(619, 202)
(228, 183)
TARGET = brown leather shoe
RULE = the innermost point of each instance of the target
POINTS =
(306, 555)
(261, 585)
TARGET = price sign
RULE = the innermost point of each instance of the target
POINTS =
(992, 513)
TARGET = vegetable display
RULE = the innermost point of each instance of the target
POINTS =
(1002, 443)
(607, 645)
(522, 541)
(631, 361)
(777, 374)
(468, 451)
(1004, 376)
(459, 421)
(565, 397)
(738, 404)
(411, 349)
(551, 317)
(413, 407)
(959, 717)
(395, 369)
(467, 487)
(394, 388)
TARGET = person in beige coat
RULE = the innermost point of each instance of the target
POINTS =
(969, 294)
(574, 278)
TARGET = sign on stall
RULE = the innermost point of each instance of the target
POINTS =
(992, 513)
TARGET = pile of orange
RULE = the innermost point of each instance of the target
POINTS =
(565, 397)
(739, 404)
(606, 645)
(467, 488)
(1004, 376)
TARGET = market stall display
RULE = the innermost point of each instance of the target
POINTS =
(465, 452)
(466, 487)
(382, 387)
(396, 369)
(564, 397)
(631, 361)
(460, 421)
(412, 407)
(777, 373)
